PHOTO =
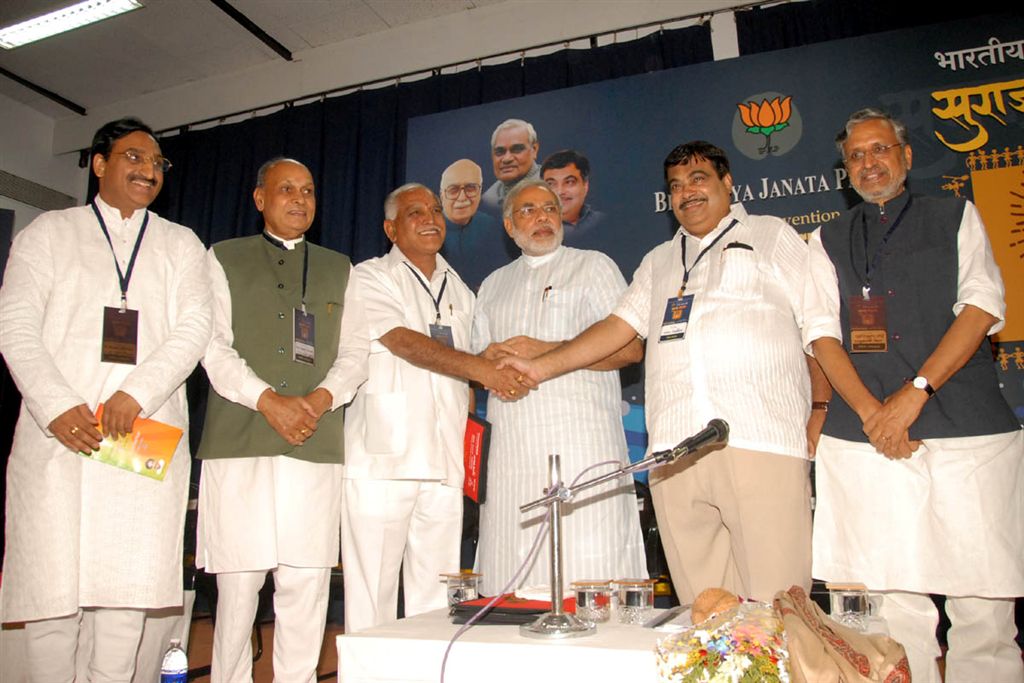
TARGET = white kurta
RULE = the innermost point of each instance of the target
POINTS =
(82, 533)
(578, 416)
(949, 519)
(403, 443)
(257, 513)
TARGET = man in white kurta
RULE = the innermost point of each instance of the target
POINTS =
(720, 306)
(943, 510)
(404, 430)
(84, 534)
(548, 295)
(270, 494)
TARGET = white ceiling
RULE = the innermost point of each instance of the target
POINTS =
(174, 42)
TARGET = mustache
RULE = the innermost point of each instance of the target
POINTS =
(138, 178)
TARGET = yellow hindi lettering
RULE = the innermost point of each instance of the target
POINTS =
(963, 104)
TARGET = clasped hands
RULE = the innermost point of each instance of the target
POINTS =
(887, 425)
(507, 380)
(295, 418)
(78, 429)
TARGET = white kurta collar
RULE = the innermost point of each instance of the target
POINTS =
(537, 261)
(736, 211)
(287, 244)
(396, 257)
(112, 216)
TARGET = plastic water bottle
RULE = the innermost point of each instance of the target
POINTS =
(175, 666)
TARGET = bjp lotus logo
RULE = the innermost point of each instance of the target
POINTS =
(766, 118)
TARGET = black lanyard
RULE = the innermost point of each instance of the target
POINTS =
(122, 278)
(871, 265)
(437, 301)
(305, 262)
(686, 271)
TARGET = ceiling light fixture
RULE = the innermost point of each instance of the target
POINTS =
(76, 16)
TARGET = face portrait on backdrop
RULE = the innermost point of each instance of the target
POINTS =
(567, 173)
(461, 184)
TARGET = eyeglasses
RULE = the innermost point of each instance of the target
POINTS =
(470, 189)
(137, 158)
(516, 149)
(531, 211)
(876, 151)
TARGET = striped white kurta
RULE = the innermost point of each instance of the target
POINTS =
(578, 416)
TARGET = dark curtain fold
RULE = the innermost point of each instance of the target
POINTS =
(762, 29)
(355, 144)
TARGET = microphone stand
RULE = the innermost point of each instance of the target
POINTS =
(557, 623)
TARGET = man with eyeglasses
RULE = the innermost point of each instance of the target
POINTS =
(474, 244)
(720, 305)
(514, 148)
(903, 293)
(102, 304)
(550, 294)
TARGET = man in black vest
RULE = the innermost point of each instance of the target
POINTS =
(270, 495)
(904, 291)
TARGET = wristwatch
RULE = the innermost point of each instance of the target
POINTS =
(922, 383)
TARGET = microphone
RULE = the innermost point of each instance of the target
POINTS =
(716, 432)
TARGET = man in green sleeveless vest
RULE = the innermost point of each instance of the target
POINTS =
(272, 446)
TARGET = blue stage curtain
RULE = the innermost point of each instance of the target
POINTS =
(355, 144)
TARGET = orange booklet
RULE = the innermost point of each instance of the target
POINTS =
(146, 451)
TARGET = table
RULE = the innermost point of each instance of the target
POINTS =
(410, 651)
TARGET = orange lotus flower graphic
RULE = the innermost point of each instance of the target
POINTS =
(766, 118)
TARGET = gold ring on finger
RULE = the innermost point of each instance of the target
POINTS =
(74, 430)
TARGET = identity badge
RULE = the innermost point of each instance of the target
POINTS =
(303, 337)
(677, 317)
(868, 333)
(120, 336)
(443, 334)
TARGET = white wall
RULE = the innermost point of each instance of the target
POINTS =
(491, 29)
(26, 150)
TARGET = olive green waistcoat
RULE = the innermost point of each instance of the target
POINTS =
(266, 286)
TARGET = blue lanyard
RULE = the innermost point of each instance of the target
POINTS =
(686, 271)
(122, 278)
(437, 301)
(871, 265)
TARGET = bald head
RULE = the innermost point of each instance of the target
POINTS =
(460, 191)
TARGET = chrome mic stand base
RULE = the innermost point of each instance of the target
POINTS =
(551, 625)
(556, 624)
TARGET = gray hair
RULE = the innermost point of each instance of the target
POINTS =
(870, 114)
(391, 202)
(519, 188)
(261, 175)
(531, 134)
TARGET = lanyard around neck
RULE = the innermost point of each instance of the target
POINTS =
(426, 288)
(686, 271)
(125, 277)
(871, 265)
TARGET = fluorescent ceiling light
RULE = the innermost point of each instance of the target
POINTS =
(77, 15)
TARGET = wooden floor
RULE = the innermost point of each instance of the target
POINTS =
(201, 643)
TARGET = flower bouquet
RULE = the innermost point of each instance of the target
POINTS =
(744, 644)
